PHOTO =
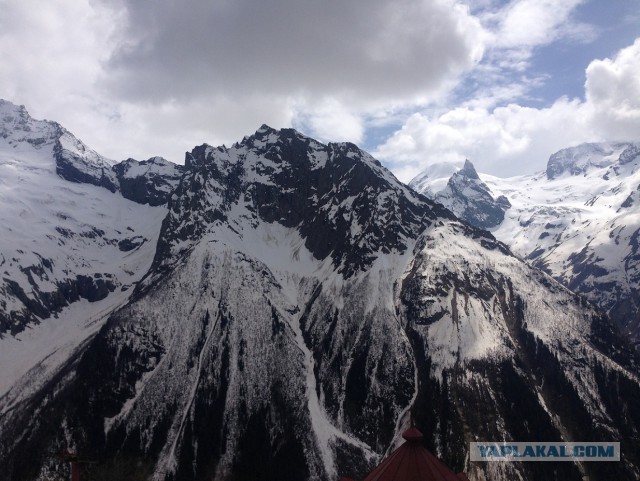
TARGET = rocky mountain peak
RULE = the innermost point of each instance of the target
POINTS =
(434, 178)
(336, 196)
(468, 170)
(267, 137)
(265, 130)
(471, 200)
(629, 154)
(9, 110)
(17, 126)
(582, 158)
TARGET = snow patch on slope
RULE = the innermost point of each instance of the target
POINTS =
(32, 356)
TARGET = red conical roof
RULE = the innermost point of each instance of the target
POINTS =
(412, 434)
(412, 462)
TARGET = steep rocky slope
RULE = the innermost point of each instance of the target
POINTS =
(471, 200)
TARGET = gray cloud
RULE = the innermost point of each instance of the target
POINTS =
(358, 50)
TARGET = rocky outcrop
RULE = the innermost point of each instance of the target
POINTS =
(471, 200)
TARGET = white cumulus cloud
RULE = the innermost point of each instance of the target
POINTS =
(613, 94)
(514, 139)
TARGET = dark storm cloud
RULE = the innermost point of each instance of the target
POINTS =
(367, 49)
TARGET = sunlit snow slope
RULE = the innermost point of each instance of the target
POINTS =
(70, 252)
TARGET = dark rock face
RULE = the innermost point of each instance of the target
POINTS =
(74, 168)
(148, 182)
(629, 154)
(471, 200)
(50, 302)
(126, 245)
(469, 171)
(67, 170)
(331, 206)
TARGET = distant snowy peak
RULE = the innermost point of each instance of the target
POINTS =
(469, 171)
(580, 159)
(76, 162)
(149, 181)
(434, 178)
(17, 126)
(471, 200)
(579, 222)
(64, 243)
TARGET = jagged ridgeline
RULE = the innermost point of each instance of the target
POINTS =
(300, 302)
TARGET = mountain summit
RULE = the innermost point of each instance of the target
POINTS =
(470, 199)
(64, 240)
(301, 302)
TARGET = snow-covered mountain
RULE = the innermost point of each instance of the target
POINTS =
(434, 178)
(470, 198)
(70, 251)
(579, 221)
(300, 302)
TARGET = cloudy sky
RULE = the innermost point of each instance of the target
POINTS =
(503, 83)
